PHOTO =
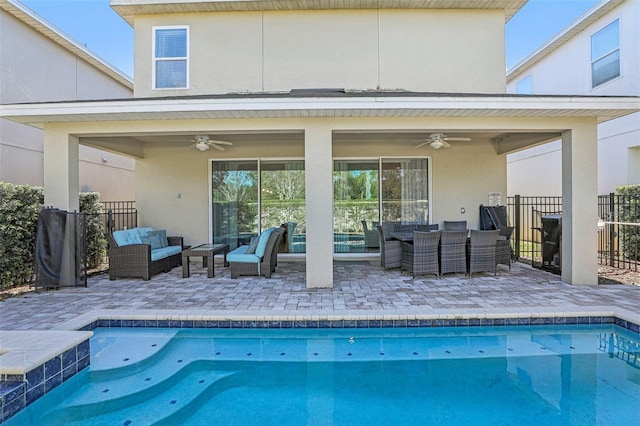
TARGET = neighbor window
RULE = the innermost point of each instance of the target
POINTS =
(524, 86)
(605, 54)
(170, 57)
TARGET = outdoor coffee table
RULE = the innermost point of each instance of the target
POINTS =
(206, 252)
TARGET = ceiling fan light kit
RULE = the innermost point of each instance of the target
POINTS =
(202, 146)
(440, 140)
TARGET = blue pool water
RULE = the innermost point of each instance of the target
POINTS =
(544, 375)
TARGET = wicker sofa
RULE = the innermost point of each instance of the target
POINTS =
(142, 253)
(259, 258)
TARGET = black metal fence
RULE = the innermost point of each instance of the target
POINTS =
(119, 215)
(618, 241)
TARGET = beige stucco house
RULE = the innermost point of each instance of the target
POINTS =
(597, 54)
(318, 99)
(39, 63)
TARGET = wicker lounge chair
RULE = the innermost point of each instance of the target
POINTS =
(481, 251)
(371, 239)
(265, 264)
(390, 248)
(134, 260)
(421, 257)
(453, 254)
(503, 246)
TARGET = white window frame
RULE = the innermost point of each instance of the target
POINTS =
(604, 55)
(155, 60)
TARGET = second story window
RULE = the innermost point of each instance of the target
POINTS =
(524, 86)
(170, 57)
(605, 54)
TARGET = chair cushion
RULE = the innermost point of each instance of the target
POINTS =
(156, 239)
(262, 242)
(240, 256)
(163, 252)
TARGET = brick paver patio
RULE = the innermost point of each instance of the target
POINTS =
(360, 287)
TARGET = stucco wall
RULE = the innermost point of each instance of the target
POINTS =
(416, 50)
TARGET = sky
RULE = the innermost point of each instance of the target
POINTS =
(94, 24)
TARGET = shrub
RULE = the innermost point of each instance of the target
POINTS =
(96, 243)
(629, 211)
(19, 207)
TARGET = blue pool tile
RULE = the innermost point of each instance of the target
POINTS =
(448, 323)
(362, 324)
(52, 382)
(413, 323)
(150, 323)
(11, 390)
(35, 376)
(524, 321)
(187, 324)
(462, 322)
(103, 323)
(499, 321)
(34, 393)
(69, 372)
(336, 324)
(571, 320)
(199, 324)
(595, 320)
(311, 323)
(608, 320)
(350, 324)
(425, 323)
(386, 323)
(511, 321)
(83, 363)
(83, 350)
(164, 323)
(300, 324)
(286, 324)
(69, 358)
(486, 322)
(375, 323)
(262, 324)
(324, 324)
(474, 322)
(11, 408)
(583, 320)
(237, 324)
(400, 323)
(274, 324)
(115, 323)
(139, 323)
(633, 327)
(127, 323)
(52, 367)
(224, 324)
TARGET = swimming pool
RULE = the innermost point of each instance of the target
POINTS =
(583, 374)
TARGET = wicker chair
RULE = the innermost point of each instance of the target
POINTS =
(135, 260)
(390, 249)
(481, 251)
(503, 246)
(421, 257)
(427, 228)
(371, 239)
(453, 255)
(267, 264)
(455, 225)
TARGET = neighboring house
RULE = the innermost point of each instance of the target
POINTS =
(324, 111)
(595, 55)
(38, 63)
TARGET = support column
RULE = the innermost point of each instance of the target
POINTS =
(61, 170)
(580, 204)
(319, 205)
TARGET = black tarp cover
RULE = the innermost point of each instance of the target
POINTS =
(493, 217)
(60, 254)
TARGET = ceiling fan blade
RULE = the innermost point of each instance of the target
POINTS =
(457, 139)
(219, 142)
(423, 143)
(218, 147)
(445, 144)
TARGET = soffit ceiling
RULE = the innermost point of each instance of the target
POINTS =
(128, 9)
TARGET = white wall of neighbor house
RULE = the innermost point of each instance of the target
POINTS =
(357, 50)
(538, 171)
(33, 68)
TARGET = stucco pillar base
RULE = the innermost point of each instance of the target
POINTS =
(319, 206)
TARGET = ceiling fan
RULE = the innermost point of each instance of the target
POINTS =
(204, 143)
(440, 140)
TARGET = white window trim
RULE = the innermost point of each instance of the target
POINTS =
(154, 59)
(618, 49)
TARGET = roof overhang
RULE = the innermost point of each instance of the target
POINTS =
(359, 104)
(128, 9)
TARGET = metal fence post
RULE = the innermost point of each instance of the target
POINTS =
(518, 221)
(612, 230)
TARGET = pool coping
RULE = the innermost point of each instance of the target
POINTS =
(33, 362)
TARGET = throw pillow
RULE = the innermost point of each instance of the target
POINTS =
(156, 239)
(253, 245)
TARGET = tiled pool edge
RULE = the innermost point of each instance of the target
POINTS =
(14, 398)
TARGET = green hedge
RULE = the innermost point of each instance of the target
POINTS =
(629, 211)
(19, 207)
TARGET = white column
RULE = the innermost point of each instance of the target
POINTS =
(319, 205)
(61, 181)
(580, 204)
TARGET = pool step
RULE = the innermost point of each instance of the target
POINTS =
(193, 389)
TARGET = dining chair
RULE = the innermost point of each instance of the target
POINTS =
(390, 248)
(455, 225)
(427, 228)
(453, 255)
(503, 246)
(481, 251)
(421, 257)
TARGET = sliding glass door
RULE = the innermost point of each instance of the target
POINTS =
(249, 196)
